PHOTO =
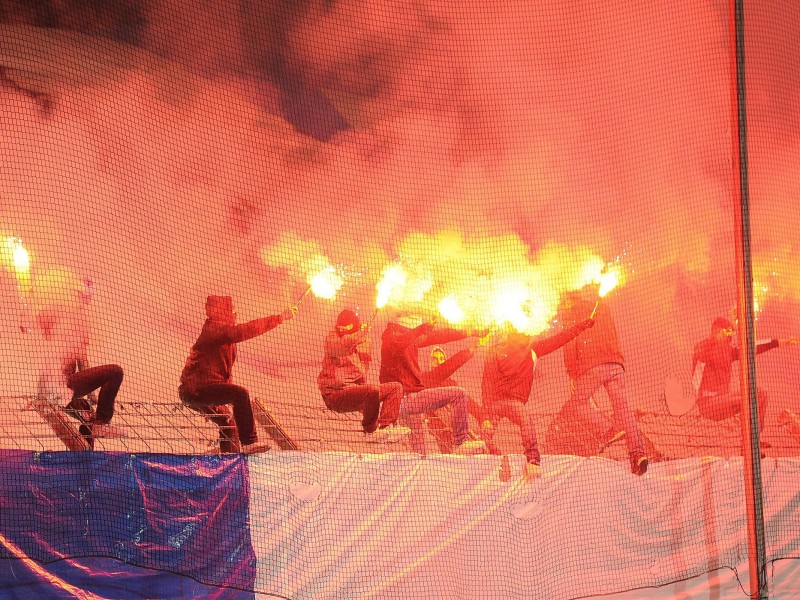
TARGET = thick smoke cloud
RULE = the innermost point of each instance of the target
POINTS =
(167, 163)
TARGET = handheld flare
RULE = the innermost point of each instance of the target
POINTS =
(303, 295)
(594, 310)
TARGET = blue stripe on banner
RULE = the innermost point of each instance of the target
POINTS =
(125, 525)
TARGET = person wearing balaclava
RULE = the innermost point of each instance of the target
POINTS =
(206, 381)
(712, 367)
(343, 380)
(400, 343)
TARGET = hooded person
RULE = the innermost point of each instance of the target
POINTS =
(343, 383)
(400, 343)
(206, 381)
(712, 368)
(507, 382)
(594, 359)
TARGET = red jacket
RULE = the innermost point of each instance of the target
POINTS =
(509, 366)
(596, 346)
(399, 352)
(719, 356)
(213, 354)
(346, 361)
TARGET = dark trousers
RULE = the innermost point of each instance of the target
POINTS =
(211, 399)
(108, 378)
(379, 404)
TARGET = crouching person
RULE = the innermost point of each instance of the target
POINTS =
(206, 381)
(343, 382)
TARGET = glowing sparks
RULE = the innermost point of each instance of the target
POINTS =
(451, 311)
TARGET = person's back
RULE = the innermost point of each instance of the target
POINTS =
(400, 355)
(596, 346)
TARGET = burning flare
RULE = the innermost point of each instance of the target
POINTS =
(326, 283)
(391, 285)
(451, 311)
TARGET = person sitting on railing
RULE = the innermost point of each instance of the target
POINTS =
(712, 367)
(400, 344)
(206, 378)
(343, 382)
(66, 365)
(440, 374)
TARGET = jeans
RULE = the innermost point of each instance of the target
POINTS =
(519, 414)
(612, 377)
(210, 400)
(723, 406)
(106, 377)
(379, 404)
(416, 404)
(444, 435)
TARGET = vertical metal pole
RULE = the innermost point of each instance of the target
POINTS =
(747, 371)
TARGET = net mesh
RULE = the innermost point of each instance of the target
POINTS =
(486, 165)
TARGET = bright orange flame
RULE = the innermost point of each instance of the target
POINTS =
(451, 311)
(608, 281)
(22, 260)
(326, 283)
(393, 280)
(15, 256)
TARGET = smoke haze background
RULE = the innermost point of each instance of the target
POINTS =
(184, 140)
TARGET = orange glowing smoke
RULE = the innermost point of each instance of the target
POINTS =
(488, 281)
(451, 311)
(304, 260)
(776, 276)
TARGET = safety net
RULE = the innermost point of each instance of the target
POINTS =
(473, 271)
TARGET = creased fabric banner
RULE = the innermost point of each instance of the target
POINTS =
(306, 525)
(114, 525)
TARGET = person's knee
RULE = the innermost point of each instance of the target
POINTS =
(459, 396)
(241, 393)
(115, 373)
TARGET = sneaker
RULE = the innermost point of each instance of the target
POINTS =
(639, 464)
(470, 447)
(80, 409)
(255, 448)
(107, 430)
(532, 471)
(390, 434)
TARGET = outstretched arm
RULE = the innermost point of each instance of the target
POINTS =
(553, 343)
(221, 333)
